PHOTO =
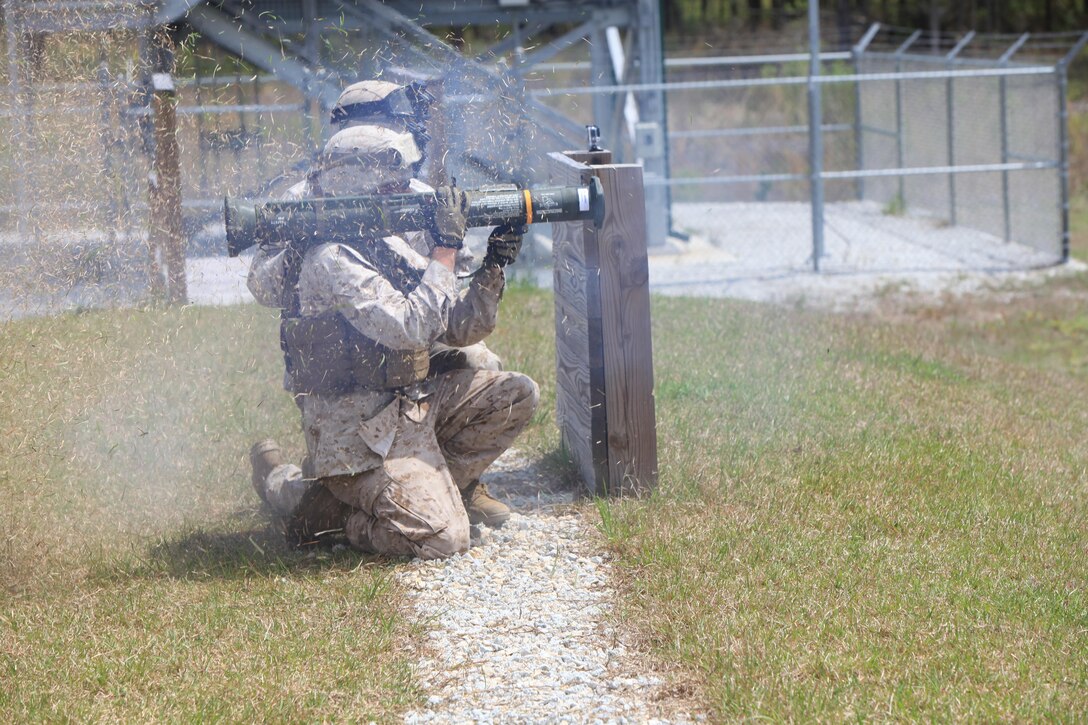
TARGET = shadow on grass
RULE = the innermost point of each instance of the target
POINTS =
(202, 553)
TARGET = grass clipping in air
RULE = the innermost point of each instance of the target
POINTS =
(857, 517)
(141, 581)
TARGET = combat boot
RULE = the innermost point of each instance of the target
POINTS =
(264, 457)
(482, 508)
(320, 518)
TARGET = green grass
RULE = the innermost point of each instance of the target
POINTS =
(858, 517)
(863, 519)
(141, 583)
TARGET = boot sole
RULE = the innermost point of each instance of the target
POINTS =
(494, 521)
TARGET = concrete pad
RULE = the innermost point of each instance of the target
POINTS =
(218, 280)
(763, 252)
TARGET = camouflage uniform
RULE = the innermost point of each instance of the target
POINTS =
(266, 283)
(398, 460)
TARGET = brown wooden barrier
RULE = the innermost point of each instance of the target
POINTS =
(604, 356)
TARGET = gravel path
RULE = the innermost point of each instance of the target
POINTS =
(521, 625)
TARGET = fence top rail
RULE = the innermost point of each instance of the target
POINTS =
(753, 59)
(943, 59)
(796, 80)
(849, 174)
(712, 61)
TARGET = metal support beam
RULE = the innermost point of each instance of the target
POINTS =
(859, 142)
(816, 143)
(444, 13)
(172, 10)
(1063, 137)
(224, 32)
(262, 25)
(510, 42)
(1063, 157)
(19, 122)
(60, 17)
(620, 53)
(564, 41)
(1003, 118)
(601, 74)
(652, 111)
(950, 110)
(900, 150)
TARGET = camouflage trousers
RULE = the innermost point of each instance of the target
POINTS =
(411, 505)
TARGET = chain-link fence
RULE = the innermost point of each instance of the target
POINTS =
(971, 124)
(959, 138)
(76, 134)
(965, 135)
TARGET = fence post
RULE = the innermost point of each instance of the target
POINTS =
(859, 128)
(106, 136)
(19, 133)
(165, 202)
(900, 147)
(951, 110)
(653, 110)
(1063, 151)
(815, 135)
(604, 355)
(1063, 136)
(1003, 100)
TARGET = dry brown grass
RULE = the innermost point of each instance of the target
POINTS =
(141, 581)
(865, 519)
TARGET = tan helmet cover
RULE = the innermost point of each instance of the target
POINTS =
(361, 158)
(365, 92)
(371, 102)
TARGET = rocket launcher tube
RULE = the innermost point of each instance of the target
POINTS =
(326, 219)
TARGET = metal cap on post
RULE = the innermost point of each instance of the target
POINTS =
(593, 139)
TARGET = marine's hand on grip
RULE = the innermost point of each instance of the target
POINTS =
(449, 217)
(504, 244)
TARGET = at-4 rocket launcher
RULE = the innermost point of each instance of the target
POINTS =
(350, 217)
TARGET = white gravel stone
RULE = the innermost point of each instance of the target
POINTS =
(520, 631)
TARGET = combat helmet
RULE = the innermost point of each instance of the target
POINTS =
(378, 102)
(364, 158)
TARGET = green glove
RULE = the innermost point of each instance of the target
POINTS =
(503, 245)
(449, 217)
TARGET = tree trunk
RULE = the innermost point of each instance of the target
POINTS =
(673, 17)
(842, 20)
(755, 13)
(935, 25)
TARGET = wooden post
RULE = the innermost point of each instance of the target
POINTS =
(604, 355)
(165, 232)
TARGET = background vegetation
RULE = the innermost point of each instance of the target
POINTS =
(991, 16)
